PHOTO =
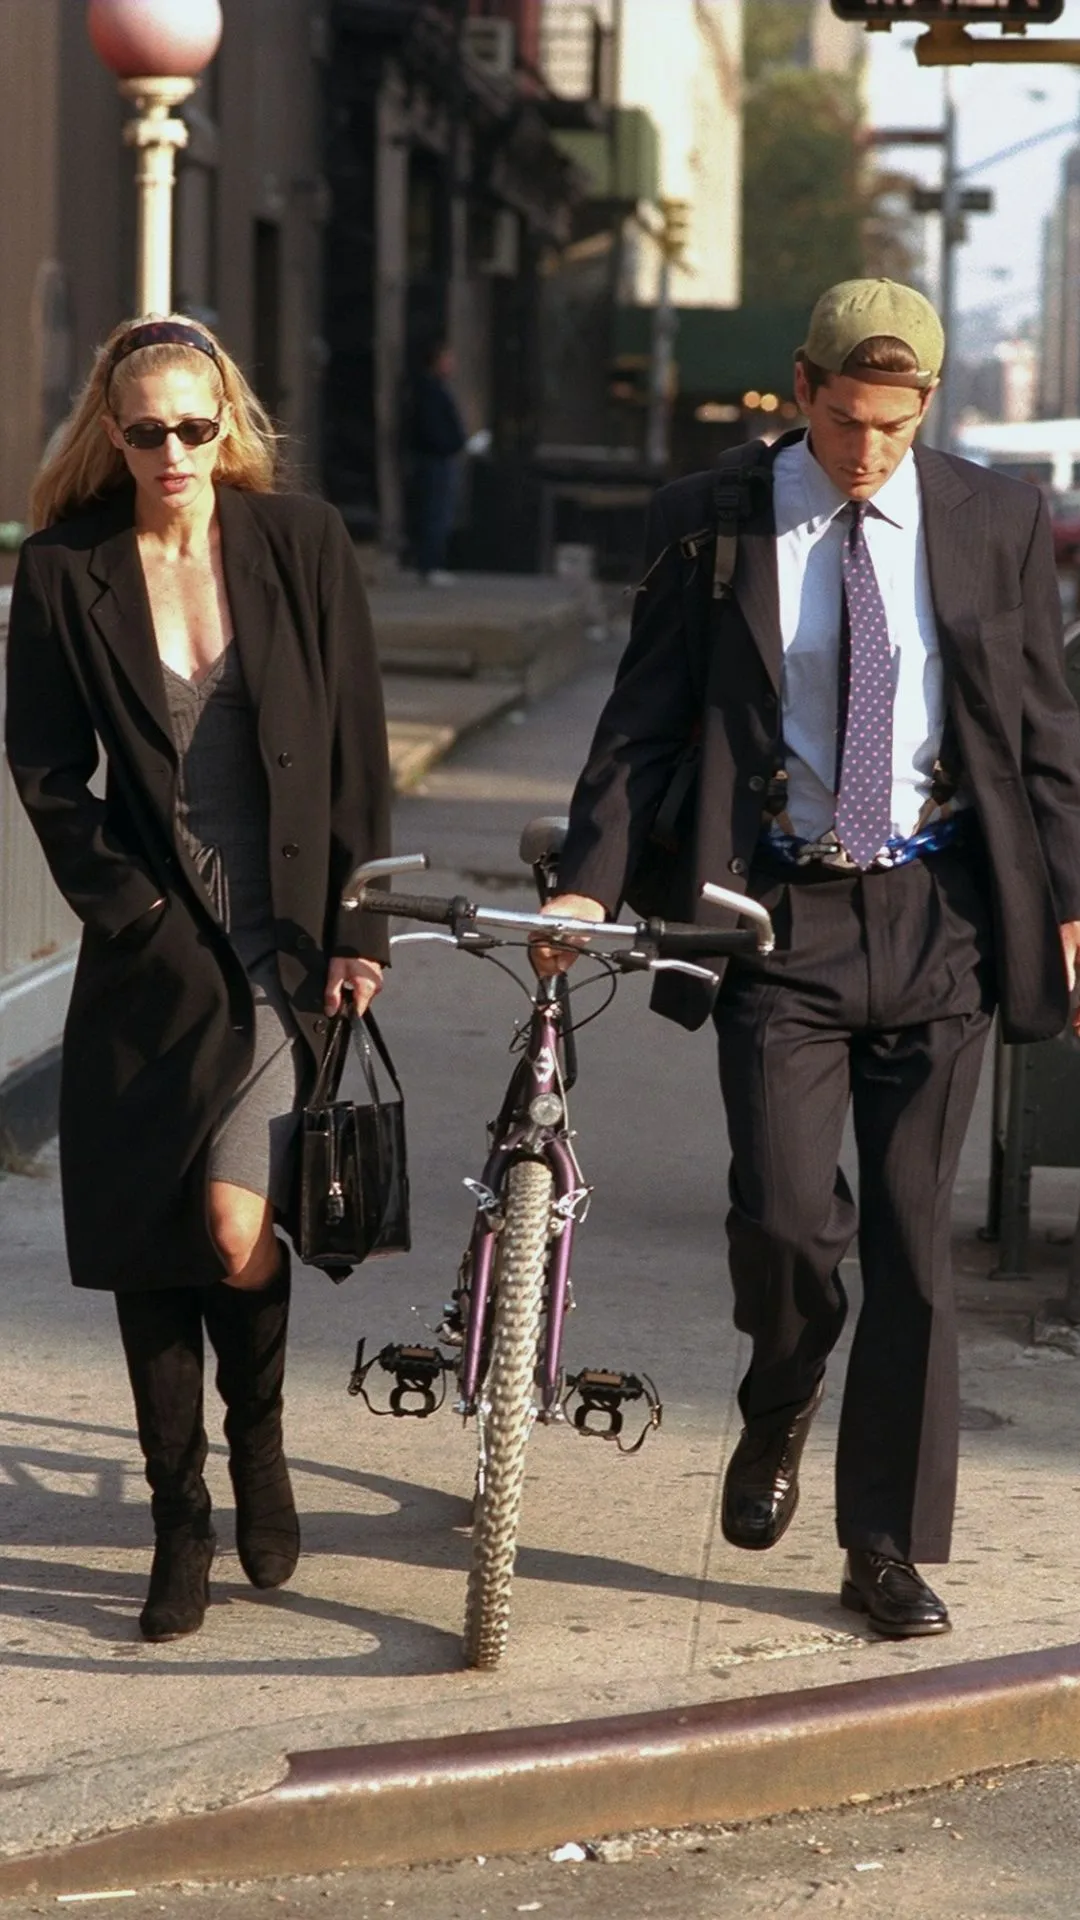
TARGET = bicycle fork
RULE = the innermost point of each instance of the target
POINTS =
(568, 1194)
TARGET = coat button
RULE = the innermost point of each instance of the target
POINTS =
(320, 1025)
(736, 865)
(284, 759)
(290, 850)
(303, 942)
(755, 783)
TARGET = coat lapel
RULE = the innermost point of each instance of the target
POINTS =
(120, 611)
(254, 590)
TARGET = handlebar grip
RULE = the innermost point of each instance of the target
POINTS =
(688, 943)
(411, 906)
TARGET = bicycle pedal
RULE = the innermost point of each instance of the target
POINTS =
(419, 1376)
(594, 1402)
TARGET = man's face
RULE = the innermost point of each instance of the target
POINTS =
(859, 433)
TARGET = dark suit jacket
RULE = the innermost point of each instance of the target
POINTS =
(996, 599)
(159, 1036)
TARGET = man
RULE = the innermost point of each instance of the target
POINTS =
(889, 759)
(438, 438)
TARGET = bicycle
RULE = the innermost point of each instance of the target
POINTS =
(503, 1326)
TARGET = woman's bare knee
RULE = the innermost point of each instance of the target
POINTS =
(242, 1227)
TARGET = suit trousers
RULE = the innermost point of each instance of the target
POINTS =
(878, 997)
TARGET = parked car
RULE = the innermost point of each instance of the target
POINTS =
(1065, 519)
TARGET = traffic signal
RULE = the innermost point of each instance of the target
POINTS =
(675, 238)
(1003, 13)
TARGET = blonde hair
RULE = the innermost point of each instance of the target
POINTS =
(81, 465)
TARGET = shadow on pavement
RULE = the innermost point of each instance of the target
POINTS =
(429, 1528)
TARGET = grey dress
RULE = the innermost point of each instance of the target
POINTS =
(222, 817)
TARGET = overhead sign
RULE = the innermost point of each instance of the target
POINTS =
(1005, 13)
(969, 200)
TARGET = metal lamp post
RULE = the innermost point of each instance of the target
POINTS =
(156, 49)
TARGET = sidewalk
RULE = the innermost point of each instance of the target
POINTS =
(456, 657)
(627, 1600)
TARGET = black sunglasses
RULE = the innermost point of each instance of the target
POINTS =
(147, 435)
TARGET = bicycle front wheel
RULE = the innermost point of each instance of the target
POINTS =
(506, 1413)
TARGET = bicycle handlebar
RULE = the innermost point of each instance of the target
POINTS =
(684, 943)
(640, 943)
(439, 912)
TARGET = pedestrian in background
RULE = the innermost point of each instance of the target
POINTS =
(437, 439)
(212, 634)
(889, 759)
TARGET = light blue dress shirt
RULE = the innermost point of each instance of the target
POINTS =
(809, 539)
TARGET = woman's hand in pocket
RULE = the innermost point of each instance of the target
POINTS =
(137, 932)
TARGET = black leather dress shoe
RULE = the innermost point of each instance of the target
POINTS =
(761, 1485)
(893, 1595)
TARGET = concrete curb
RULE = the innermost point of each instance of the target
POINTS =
(29, 1108)
(412, 1801)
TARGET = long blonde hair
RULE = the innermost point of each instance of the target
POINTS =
(81, 465)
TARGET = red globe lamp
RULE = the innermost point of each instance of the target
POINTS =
(156, 49)
(168, 39)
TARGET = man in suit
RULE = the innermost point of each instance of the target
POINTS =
(889, 759)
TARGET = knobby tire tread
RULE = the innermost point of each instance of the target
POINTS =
(521, 1262)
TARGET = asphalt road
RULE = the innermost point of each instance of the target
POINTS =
(1005, 1847)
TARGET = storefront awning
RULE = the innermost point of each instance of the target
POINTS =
(723, 353)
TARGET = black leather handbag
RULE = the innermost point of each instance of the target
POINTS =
(354, 1180)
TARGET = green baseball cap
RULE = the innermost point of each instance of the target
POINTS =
(858, 310)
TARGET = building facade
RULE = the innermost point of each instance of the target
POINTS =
(251, 210)
(1059, 338)
(449, 201)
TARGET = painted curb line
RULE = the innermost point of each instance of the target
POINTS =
(511, 1790)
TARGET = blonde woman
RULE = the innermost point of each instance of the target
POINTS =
(212, 634)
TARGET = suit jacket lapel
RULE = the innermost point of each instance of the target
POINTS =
(956, 527)
(755, 583)
(120, 611)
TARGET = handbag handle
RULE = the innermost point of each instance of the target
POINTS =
(332, 1066)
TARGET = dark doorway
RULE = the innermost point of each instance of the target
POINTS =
(266, 336)
(428, 240)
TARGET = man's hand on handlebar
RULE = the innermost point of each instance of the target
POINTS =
(566, 906)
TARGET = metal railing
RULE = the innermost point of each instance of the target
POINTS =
(38, 931)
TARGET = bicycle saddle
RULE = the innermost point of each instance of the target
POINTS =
(543, 838)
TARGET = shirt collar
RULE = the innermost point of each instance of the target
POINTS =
(897, 501)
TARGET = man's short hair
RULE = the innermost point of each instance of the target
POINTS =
(882, 353)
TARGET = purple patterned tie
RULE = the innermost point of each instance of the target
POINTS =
(864, 783)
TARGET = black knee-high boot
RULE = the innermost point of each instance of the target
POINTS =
(162, 1336)
(248, 1330)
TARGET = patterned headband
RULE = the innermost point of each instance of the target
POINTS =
(160, 333)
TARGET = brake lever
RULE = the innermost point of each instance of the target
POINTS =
(688, 967)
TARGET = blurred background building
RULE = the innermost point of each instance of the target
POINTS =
(619, 225)
(1059, 342)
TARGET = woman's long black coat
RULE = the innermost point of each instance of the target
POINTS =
(158, 1038)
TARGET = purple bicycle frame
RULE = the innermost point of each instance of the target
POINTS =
(519, 1137)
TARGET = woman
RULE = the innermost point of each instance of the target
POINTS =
(213, 635)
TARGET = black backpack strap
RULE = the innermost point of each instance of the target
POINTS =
(736, 496)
